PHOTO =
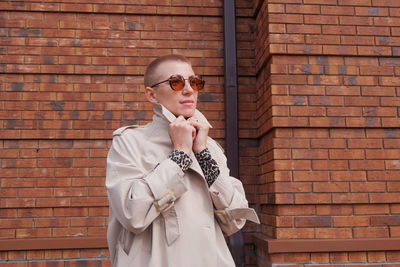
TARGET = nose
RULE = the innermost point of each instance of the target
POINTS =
(187, 90)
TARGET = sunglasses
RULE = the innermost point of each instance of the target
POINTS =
(177, 82)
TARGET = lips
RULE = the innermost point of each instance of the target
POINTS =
(187, 102)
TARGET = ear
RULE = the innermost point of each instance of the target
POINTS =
(151, 95)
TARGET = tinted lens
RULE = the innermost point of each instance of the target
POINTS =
(196, 82)
(177, 82)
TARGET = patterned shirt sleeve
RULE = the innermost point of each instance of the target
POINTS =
(181, 158)
(208, 165)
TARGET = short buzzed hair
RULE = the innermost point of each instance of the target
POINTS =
(149, 75)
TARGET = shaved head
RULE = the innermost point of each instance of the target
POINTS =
(151, 76)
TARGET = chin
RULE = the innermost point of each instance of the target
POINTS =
(185, 113)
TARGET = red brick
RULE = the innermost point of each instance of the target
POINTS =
(70, 192)
(312, 198)
(336, 10)
(391, 143)
(336, 257)
(309, 154)
(51, 222)
(16, 223)
(303, 9)
(310, 176)
(351, 221)
(392, 164)
(333, 233)
(371, 209)
(366, 164)
(357, 257)
(355, 2)
(374, 50)
(303, 28)
(355, 20)
(383, 175)
(346, 154)
(17, 255)
(53, 254)
(294, 233)
(330, 187)
(70, 212)
(33, 233)
(393, 186)
(290, 258)
(385, 220)
(320, 257)
(350, 198)
(53, 202)
(328, 143)
(317, 221)
(35, 255)
(321, 19)
(325, 100)
(371, 232)
(309, 133)
(372, 91)
(364, 143)
(368, 187)
(344, 111)
(93, 221)
(288, 18)
(393, 255)
(18, 163)
(36, 192)
(361, 40)
(383, 197)
(368, 11)
(370, 30)
(376, 256)
(69, 232)
(329, 165)
(276, 8)
(395, 231)
(332, 210)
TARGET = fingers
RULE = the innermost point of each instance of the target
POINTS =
(178, 120)
(198, 124)
(182, 134)
(200, 141)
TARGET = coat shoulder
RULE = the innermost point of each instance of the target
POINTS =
(121, 130)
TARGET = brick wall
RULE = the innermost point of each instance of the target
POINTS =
(318, 121)
(71, 73)
(328, 126)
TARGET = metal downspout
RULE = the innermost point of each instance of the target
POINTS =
(236, 241)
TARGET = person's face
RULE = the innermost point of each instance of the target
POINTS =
(182, 102)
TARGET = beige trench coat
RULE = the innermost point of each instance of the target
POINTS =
(161, 216)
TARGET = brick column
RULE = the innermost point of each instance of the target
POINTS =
(328, 127)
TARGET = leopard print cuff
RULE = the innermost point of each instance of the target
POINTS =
(208, 165)
(181, 158)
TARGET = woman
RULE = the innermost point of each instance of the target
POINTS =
(170, 192)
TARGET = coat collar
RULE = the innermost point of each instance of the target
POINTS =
(161, 114)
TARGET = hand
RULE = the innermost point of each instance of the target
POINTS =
(202, 128)
(182, 134)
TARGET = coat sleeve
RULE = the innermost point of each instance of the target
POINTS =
(138, 196)
(229, 197)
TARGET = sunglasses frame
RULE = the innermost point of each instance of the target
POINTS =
(180, 77)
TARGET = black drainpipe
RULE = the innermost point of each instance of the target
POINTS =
(231, 99)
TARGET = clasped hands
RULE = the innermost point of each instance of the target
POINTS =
(189, 135)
